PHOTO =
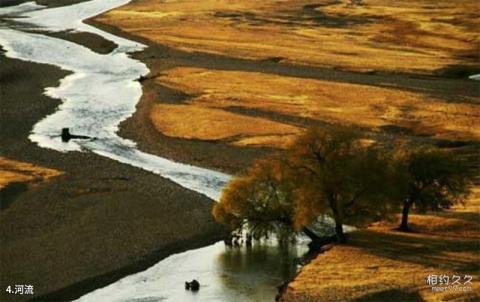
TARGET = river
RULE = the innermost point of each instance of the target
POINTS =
(97, 96)
(100, 93)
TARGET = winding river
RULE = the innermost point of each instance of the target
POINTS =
(100, 93)
(97, 96)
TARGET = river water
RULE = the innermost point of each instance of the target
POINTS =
(97, 96)
(100, 93)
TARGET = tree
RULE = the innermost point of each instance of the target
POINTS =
(325, 172)
(430, 179)
(341, 177)
(259, 200)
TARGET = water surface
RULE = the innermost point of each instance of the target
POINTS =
(101, 92)
(225, 274)
(97, 96)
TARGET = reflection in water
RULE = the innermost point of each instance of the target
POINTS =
(256, 271)
(225, 274)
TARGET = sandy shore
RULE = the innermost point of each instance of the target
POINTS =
(97, 222)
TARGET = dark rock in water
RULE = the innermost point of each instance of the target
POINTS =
(193, 285)
(141, 78)
(66, 136)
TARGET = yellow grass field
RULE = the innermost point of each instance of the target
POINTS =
(206, 114)
(379, 264)
(400, 36)
(247, 108)
(14, 171)
(200, 122)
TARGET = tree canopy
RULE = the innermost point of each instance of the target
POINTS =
(325, 172)
(340, 176)
(430, 179)
(259, 200)
(335, 172)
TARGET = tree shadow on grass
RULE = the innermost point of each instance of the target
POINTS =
(467, 216)
(427, 251)
(391, 295)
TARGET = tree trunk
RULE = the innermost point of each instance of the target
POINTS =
(310, 234)
(404, 224)
(317, 242)
(332, 201)
(339, 232)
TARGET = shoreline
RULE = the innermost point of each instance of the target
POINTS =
(81, 202)
(150, 140)
(141, 116)
(75, 291)
(29, 152)
(448, 88)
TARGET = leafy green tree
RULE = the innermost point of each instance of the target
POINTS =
(430, 179)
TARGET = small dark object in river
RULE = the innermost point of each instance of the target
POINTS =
(194, 285)
(66, 136)
(142, 78)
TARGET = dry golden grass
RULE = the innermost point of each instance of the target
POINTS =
(214, 91)
(420, 36)
(379, 264)
(14, 171)
(199, 122)
(473, 204)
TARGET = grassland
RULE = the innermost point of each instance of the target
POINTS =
(241, 103)
(380, 264)
(17, 177)
(397, 36)
(228, 77)
(12, 171)
(221, 104)
(229, 80)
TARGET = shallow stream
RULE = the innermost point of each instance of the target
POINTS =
(100, 93)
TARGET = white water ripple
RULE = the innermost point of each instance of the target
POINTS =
(101, 92)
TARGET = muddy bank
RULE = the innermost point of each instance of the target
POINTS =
(99, 221)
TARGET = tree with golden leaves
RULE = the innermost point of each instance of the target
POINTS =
(325, 172)
(259, 200)
(340, 176)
